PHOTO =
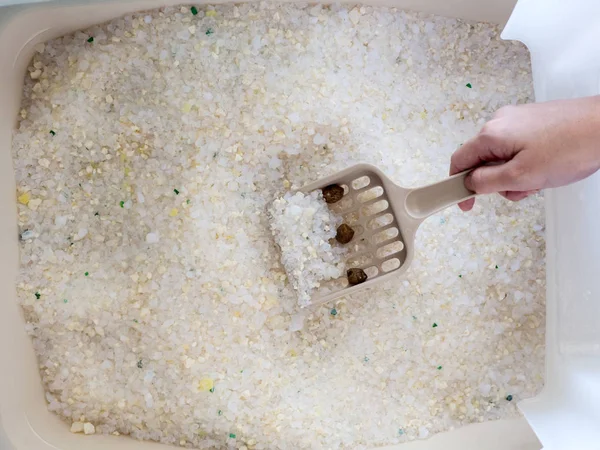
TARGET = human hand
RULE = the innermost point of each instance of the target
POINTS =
(530, 147)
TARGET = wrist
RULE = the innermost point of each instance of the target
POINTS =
(586, 130)
(591, 134)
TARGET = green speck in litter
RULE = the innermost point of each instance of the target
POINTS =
(140, 364)
(122, 204)
(220, 413)
(232, 435)
(439, 367)
(414, 317)
(460, 276)
(135, 320)
(188, 201)
(509, 398)
(209, 31)
(242, 371)
(86, 274)
(176, 191)
(496, 266)
(38, 295)
(434, 325)
(91, 39)
(212, 389)
(400, 431)
(96, 214)
(214, 154)
(366, 359)
(194, 10)
(53, 133)
(469, 85)
(333, 312)
(65, 300)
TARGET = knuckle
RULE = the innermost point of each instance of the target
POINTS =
(486, 139)
(504, 111)
(488, 132)
(515, 173)
(487, 128)
(495, 133)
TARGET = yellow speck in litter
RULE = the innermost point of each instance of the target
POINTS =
(236, 314)
(293, 353)
(423, 115)
(24, 198)
(205, 384)
(270, 301)
(186, 107)
(211, 13)
(174, 212)
(286, 184)
(127, 170)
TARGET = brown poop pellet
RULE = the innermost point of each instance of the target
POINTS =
(344, 234)
(333, 193)
(356, 276)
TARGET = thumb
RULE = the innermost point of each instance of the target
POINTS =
(496, 178)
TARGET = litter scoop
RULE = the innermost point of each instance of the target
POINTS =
(385, 218)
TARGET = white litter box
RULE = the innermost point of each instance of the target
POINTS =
(564, 39)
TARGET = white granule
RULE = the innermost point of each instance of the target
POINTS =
(77, 427)
(149, 280)
(303, 225)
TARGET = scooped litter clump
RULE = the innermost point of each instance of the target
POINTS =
(303, 225)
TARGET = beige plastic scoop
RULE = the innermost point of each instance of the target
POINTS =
(385, 218)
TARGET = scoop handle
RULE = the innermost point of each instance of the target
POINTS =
(422, 202)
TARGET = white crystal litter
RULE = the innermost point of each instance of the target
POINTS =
(278, 95)
(152, 238)
(77, 427)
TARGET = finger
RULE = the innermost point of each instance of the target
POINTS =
(517, 196)
(497, 178)
(475, 152)
(467, 205)
(470, 154)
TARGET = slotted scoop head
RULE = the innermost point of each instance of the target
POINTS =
(385, 218)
